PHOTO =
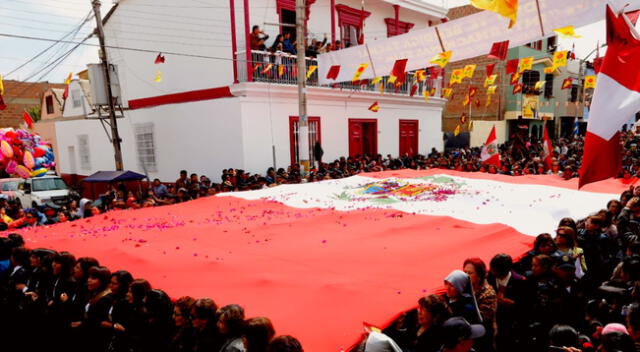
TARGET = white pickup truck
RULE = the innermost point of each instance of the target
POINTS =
(39, 191)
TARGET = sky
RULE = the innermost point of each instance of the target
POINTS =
(54, 19)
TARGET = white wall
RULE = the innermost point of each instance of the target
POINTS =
(76, 111)
(202, 137)
(265, 121)
(481, 130)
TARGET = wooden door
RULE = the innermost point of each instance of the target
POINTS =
(408, 137)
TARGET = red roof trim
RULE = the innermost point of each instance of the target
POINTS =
(184, 97)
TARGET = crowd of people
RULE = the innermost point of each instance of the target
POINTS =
(578, 289)
(287, 44)
(54, 301)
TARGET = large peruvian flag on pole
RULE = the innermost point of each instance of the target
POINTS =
(616, 99)
(489, 154)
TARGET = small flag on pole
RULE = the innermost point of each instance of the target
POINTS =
(397, 72)
(567, 83)
(359, 71)
(414, 89)
(589, 82)
(27, 119)
(517, 88)
(512, 66)
(425, 93)
(560, 58)
(491, 90)
(68, 80)
(490, 80)
(442, 59)
(333, 73)
(567, 32)
(515, 78)
(456, 132)
(1, 86)
(456, 76)
(550, 69)
(499, 50)
(158, 77)
(469, 70)
(374, 107)
(526, 63)
(446, 92)
(159, 59)
(490, 69)
(311, 70)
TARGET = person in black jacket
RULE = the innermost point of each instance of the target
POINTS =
(511, 290)
(93, 335)
(207, 336)
(231, 325)
(120, 310)
(59, 303)
(184, 334)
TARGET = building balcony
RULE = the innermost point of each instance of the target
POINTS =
(282, 68)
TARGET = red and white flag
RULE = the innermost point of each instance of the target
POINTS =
(615, 100)
(490, 153)
(547, 149)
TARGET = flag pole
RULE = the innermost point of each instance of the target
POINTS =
(303, 122)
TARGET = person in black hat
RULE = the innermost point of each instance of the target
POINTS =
(458, 335)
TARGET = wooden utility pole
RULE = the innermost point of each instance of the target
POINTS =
(115, 136)
(303, 122)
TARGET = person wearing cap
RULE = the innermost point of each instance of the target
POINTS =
(460, 297)
(458, 335)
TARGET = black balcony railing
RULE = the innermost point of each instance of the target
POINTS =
(281, 68)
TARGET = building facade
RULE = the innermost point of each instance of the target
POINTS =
(213, 104)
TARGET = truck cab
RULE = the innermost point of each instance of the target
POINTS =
(38, 191)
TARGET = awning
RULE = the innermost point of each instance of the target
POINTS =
(114, 176)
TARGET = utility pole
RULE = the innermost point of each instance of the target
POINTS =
(115, 136)
(303, 122)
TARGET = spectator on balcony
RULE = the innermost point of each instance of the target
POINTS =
(257, 39)
(289, 44)
(279, 40)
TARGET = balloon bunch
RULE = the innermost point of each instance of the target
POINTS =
(24, 154)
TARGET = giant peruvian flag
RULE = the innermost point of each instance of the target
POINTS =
(616, 99)
(319, 259)
(489, 154)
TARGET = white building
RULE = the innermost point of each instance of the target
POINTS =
(207, 114)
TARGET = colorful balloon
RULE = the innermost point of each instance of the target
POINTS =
(22, 171)
(39, 172)
(6, 149)
(11, 167)
(39, 151)
(28, 160)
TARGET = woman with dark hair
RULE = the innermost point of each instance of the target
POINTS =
(258, 333)
(231, 324)
(568, 222)
(120, 310)
(137, 321)
(567, 244)
(94, 336)
(182, 338)
(485, 297)
(433, 311)
(203, 316)
(543, 244)
(59, 305)
(284, 343)
(546, 293)
(563, 336)
(159, 310)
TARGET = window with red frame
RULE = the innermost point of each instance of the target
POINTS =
(351, 22)
(403, 27)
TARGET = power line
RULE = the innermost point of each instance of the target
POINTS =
(55, 42)
(116, 47)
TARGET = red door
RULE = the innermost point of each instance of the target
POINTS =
(408, 137)
(363, 137)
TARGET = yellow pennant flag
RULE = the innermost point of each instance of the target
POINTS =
(280, 70)
(420, 75)
(539, 85)
(158, 78)
(381, 88)
(491, 90)
(359, 71)
(589, 82)
(526, 63)
(490, 80)
(567, 32)
(505, 8)
(467, 100)
(311, 70)
(1, 86)
(426, 95)
(456, 76)
(470, 124)
(376, 80)
(469, 70)
(456, 132)
(560, 59)
(432, 92)
(446, 92)
(68, 80)
(549, 69)
(442, 59)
